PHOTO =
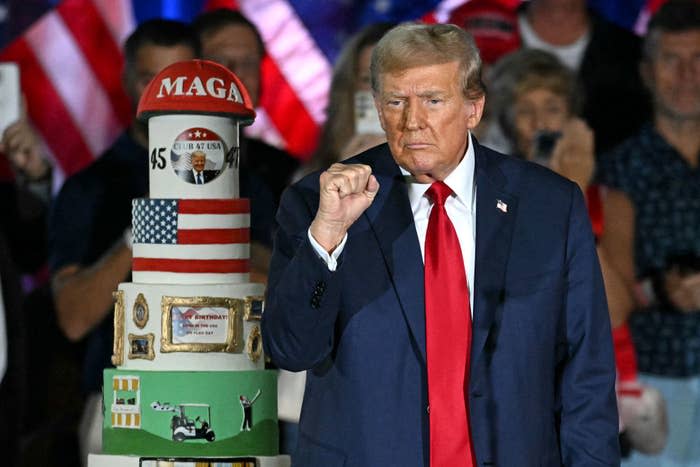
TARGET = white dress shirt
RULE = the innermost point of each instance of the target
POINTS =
(460, 207)
(196, 180)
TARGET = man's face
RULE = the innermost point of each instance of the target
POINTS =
(198, 161)
(149, 61)
(426, 118)
(235, 46)
(674, 75)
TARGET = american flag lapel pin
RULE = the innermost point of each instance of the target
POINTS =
(501, 205)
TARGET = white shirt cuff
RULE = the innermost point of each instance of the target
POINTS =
(331, 259)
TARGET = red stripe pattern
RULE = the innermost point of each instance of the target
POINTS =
(214, 206)
(211, 266)
(212, 236)
(92, 35)
(65, 134)
(286, 111)
(47, 110)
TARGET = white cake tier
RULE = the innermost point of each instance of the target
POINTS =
(194, 327)
(103, 460)
(173, 141)
(190, 241)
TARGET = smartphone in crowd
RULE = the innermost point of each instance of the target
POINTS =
(544, 146)
(9, 95)
(366, 117)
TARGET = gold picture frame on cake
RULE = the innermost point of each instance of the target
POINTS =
(118, 339)
(253, 307)
(253, 346)
(141, 346)
(139, 313)
(201, 324)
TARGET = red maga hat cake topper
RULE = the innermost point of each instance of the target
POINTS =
(196, 87)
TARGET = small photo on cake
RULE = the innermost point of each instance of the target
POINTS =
(141, 346)
(198, 155)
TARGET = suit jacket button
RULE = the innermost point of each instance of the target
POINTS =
(427, 408)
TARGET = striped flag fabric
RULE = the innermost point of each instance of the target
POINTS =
(190, 236)
(70, 73)
(70, 62)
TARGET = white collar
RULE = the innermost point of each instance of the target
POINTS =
(460, 180)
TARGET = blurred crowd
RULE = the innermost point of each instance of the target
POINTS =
(616, 113)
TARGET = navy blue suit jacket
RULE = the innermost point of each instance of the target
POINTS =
(541, 391)
(207, 175)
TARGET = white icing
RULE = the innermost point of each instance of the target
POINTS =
(163, 130)
(225, 251)
(213, 221)
(149, 277)
(185, 361)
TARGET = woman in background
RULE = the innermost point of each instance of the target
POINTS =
(534, 99)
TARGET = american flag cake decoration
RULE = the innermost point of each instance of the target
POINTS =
(191, 236)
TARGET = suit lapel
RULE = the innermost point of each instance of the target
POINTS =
(391, 219)
(495, 219)
(392, 222)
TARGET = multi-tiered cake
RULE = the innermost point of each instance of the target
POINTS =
(189, 387)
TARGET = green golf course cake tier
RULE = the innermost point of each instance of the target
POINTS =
(179, 414)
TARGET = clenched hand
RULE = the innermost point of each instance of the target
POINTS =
(346, 191)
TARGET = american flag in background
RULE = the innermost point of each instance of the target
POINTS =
(70, 60)
(191, 236)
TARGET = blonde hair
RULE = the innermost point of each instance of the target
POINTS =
(413, 45)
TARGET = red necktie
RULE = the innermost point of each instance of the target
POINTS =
(448, 338)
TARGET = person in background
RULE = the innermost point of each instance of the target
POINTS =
(350, 103)
(445, 299)
(536, 102)
(24, 205)
(89, 254)
(603, 56)
(230, 39)
(656, 245)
